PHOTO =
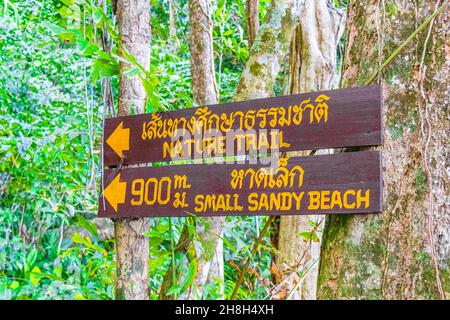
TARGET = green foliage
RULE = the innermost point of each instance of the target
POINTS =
(45, 163)
(238, 249)
(311, 235)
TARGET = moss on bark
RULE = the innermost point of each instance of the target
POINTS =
(403, 253)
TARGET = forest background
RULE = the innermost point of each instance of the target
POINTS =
(59, 78)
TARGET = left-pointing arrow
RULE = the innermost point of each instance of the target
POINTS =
(115, 192)
(119, 140)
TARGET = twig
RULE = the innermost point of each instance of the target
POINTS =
(172, 250)
(394, 54)
(302, 279)
(61, 235)
(252, 253)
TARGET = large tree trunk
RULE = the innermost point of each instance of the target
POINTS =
(403, 253)
(312, 67)
(252, 20)
(257, 80)
(313, 55)
(132, 247)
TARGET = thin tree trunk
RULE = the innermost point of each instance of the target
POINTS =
(252, 20)
(403, 253)
(271, 45)
(312, 67)
(172, 14)
(209, 248)
(257, 80)
(132, 247)
(204, 88)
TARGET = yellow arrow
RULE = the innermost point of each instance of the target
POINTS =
(115, 192)
(119, 140)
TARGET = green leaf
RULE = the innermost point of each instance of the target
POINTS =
(79, 296)
(86, 241)
(132, 72)
(14, 284)
(53, 27)
(89, 226)
(104, 68)
(97, 15)
(305, 235)
(31, 259)
(173, 290)
(229, 245)
(152, 94)
(314, 237)
(35, 276)
(190, 276)
(88, 49)
(70, 35)
(312, 223)
(68, 2)
(58, 271)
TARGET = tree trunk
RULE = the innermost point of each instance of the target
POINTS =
(403, 253)
(204, 88)
(172, 26)
(209, 248)
(271, 45)
(257, 80)
(312, 67)
(132, 247)
(252, 20)
(313, 55)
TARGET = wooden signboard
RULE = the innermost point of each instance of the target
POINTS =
(323, 184)
(325, 119)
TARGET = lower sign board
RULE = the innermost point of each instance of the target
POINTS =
(322, 184)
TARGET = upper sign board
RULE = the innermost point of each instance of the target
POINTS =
(325, 119)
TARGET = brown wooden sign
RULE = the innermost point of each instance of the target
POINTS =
(322, 184)
(325, 119)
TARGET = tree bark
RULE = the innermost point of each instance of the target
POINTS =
(204, 88)
(312, 67)
(172, 15)
(209, 248)
(132, 247)
(313, 55)
(271, 44)
(403, 253)
(252, 20)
